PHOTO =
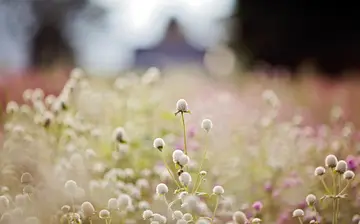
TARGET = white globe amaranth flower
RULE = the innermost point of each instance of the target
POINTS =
(71, 187)
(177, 215)
(124, 200)
(310, 199)
(26, 178)
(218, 190)
(256, 221)
(239, 217)
(147, 214)
(4, 203)
(119, 135)
(181, 221)
(202, 221)
(207, 125)
(177, 154)
(182, 195)
(159, 144)
(183, 160)
(144, 205)
(159, 218)
(162, 189)
(349, 175)
(113, 204)
(319, 171)
(203, 173)
(185, 178)
(298, 213)
(12, 107)
(188, 217)
(331, 161)
(88, 209)
(182, 106)
(341, 167)
(104, 214)
(32, 220)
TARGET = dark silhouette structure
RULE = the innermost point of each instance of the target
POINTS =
(172, 50)
(288, 33)
(49, 45)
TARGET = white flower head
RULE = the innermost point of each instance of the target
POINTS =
(207, 125)
(159, 144)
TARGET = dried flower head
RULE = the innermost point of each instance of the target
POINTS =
(331, 161)
(159, 144)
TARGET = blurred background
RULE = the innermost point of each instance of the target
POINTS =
(41, 41)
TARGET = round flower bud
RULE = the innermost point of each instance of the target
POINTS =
(28, 189)
(159, 144)
(119, 135)
(185, 178)
(147, 214)
(177, 154)
(298, 213)
(65, 209)
(113, 204)
(341, 167)
(26, 178)
(177, 215)
(319, 171)
(206, 124)
(331, 161)
(182, 106)
(187, 217)
(203, 173)
(183, 160)
(218, 190)
(181, 221)
(124, 200)
(4, 203)
(349, 175)
(32, 220)
(104, 214)
(239, 217)
(87, 209)
(162, 189)
(71, 187)
(257, 206)
(310, 199)
(256, 220)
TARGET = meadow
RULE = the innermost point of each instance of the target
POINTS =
(179, 149)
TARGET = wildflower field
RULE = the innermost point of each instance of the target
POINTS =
(148, 149)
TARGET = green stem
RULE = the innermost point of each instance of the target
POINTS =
(216, 206)
(184, 132)
(168, 169)
(337, 199)
(198, 185)
(325, 186)
(199, 178)
(334, 200)
(343, 190)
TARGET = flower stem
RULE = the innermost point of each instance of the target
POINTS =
(216, 206)
(169, 171)
(325, 186)
(334, 199)
(300, 220)
(199, 178)
(184, 132)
